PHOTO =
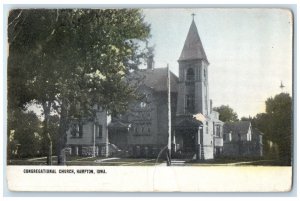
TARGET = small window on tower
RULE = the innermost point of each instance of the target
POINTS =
(190, 103)
(190, 75)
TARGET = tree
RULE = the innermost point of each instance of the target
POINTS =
(226, 113)
(69, 60)
(24, 135)
(276, 122)
(246, 118)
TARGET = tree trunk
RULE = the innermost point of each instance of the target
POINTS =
(61, 155)
(48, 141)
(49, 156)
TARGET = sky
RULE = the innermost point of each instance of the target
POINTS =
(249, 51)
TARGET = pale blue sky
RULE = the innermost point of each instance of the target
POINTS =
(249, 50)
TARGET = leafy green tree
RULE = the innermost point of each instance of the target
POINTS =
(24, 135)
(276, 124)
(227, 114)
(69, 60)
(246, 118)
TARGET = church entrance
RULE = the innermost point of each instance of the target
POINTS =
(186, 143)
(187, 138)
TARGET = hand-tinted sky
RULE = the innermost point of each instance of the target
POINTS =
(249, 50)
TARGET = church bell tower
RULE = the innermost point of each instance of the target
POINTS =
(193, 76)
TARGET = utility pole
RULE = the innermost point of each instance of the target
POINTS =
(94, 139)
(169, 118)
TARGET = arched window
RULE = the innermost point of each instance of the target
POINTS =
(190, 75)
(190, 103)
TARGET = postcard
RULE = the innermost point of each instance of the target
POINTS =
(150, 100)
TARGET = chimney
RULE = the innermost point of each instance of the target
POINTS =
(150, 62)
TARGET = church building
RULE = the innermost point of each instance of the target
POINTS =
(196, 128)
(196, 131)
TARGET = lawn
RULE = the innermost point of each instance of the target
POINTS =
(114, 161)
(88, 161)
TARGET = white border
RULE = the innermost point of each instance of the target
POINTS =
(153, 3)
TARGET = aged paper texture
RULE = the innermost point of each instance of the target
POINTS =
(150, 100)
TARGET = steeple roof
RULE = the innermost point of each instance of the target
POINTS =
(193, 48)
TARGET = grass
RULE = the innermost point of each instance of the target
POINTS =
(91, 161)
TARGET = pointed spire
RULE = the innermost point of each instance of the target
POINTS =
(193, 48)
(193, 15)
(281, 86)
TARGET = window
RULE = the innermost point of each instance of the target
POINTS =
(224, 137)
(80, 130)
(230, 137)
(190, 103)
(218, 133)
(148, 97)
(143, 104)
(74, 130)
(77, 130)
(190, 75)
(260, 139)
(99, 129)
(206, 127)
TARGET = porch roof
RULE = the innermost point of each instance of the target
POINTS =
(187, 122)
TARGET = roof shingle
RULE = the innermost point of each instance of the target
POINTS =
(156, 79)
(193, 48)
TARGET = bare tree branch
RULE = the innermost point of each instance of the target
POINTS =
(15, 18)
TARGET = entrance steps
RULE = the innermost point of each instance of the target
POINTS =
(177, 162)
(174, 162)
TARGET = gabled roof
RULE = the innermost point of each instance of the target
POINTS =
(193, 48)
(240, 127)
(255, 131)
(187, 121)
(156, 79)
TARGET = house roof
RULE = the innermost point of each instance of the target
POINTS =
(156, 79)
(193, 48)
(256, 131)
(241, 127)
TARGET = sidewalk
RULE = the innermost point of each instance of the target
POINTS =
(174, 163)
